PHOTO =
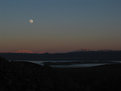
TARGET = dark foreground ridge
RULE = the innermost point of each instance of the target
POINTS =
(25, 76)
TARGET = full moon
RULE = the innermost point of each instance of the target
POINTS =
(31, 21)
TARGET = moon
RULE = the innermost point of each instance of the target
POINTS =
(31, 21)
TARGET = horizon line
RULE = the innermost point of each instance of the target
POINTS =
(57, 52)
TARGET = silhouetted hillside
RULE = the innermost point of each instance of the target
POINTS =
(81, 55)
(25, 76)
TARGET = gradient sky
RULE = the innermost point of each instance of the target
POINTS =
(60, 25)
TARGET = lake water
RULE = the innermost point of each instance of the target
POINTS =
(68, 64)
(76, 65)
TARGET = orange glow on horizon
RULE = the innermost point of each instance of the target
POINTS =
(22, 51)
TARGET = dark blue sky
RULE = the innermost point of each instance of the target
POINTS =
(60, 25)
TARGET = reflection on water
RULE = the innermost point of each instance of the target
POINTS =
(76, 65)
(65, 63)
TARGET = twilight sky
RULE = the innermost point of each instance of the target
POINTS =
(59, 25)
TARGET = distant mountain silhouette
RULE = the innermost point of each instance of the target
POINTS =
(77, 55)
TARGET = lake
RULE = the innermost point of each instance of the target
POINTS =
(65, 63)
